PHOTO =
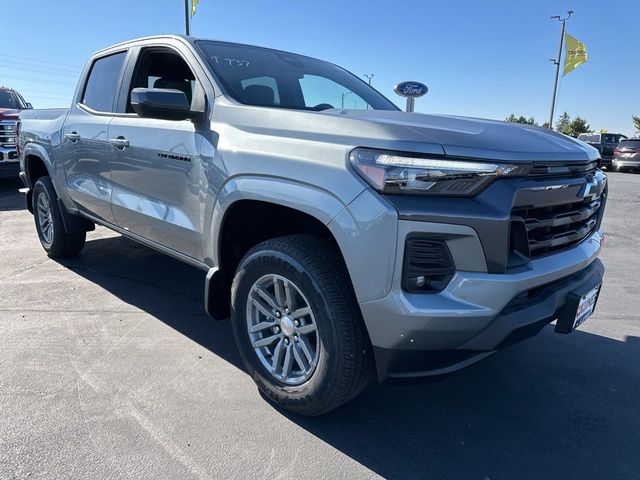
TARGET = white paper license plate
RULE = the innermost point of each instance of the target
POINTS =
(586, 306)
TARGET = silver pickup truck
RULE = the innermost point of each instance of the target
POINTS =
(346, 239)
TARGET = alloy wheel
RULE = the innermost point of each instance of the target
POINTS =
(282, 329)
(45, 218)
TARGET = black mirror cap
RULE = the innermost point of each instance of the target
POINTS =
(29, 106)
(163, 103)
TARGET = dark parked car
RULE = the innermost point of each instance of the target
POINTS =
(604, 142)
(11, 104)
(626, 156)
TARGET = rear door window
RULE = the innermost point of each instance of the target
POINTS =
(100, 89)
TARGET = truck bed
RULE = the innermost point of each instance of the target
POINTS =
(42, 126)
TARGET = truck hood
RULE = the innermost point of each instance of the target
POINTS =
(9, 114)
(479, 138)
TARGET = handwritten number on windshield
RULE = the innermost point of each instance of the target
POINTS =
(232, 62)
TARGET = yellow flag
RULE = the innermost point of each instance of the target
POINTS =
(575, 54)
(194, 4)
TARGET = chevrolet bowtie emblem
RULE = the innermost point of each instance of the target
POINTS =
(588, 189)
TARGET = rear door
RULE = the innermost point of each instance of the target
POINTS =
(160, 178)
(85, 144)
(593, 139)
(609, 143)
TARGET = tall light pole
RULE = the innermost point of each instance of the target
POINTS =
(186, 16)
(368, 76)
(557, 62)
(344, 95)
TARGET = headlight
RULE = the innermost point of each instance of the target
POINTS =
(389, 172)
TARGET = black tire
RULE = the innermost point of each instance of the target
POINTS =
(62, 244)
(345, 362)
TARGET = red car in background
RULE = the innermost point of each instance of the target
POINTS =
(11, 104)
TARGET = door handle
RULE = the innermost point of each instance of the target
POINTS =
(73, 137)
(119, 142)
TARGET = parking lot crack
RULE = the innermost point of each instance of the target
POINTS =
(24, 270)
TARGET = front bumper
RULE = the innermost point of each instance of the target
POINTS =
(424, 334)
(9, 154)
(626, 163)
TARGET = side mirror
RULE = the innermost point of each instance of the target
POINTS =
(163, 103)
(29, 106)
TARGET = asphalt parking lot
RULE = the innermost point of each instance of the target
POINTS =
(109, 368)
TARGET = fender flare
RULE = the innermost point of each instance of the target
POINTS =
(32, 149)
(308, 199)
(73, 224)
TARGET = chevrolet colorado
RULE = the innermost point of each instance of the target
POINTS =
(344, 243)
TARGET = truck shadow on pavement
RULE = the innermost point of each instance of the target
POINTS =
(556, 406)
(168, 289)
(10, 197)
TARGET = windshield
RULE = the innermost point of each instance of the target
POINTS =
(9, 99)
(270, 78)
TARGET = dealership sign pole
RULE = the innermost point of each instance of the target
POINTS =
(186, 17)
(557, 63)
(411, 91)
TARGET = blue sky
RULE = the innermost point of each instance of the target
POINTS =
(484, 59)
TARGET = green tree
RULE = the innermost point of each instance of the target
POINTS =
(577, 126)
(521, 119)
(636, 122)
(563, 123)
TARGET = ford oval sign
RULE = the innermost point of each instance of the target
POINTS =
(411, 89)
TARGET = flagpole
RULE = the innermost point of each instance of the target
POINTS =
(186, 16)
(557, 62)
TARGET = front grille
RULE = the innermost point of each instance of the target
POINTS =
(8, 133)
(428, 265)
(559, 226)
(555, 170)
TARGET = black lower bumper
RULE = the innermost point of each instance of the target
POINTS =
(523, 317)
(9, 169)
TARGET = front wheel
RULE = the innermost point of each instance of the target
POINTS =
(298, 326)
(54, 238)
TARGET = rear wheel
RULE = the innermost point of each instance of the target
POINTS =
(55, 239)
(298, 326)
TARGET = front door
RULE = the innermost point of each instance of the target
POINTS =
(159, 182)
